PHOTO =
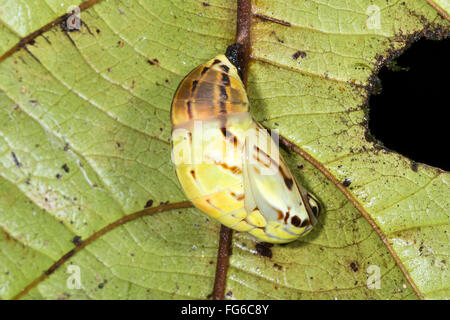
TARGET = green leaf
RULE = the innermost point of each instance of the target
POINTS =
(84, 141)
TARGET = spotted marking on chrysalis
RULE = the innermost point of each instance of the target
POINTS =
(234, 187)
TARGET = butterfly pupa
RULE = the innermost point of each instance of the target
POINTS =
(228, 165)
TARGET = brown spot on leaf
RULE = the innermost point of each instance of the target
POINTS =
(354, 266)
(286, 217)
(346, 182)
(16, 160)
(223, 93)
(296, 221)
(77, 241)
(148, 204)
(263, 249)
(278, 266)
(299, 54)
(240, 197)
(152, 62)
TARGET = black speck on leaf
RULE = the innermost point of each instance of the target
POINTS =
(77, 241)
(148, 204)
(263, 249)
(299, 54)
(152, 62)
(346, 182)
(16, 160)
(414, 166)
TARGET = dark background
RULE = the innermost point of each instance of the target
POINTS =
(411, 114)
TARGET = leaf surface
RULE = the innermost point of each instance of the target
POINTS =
(84, 141)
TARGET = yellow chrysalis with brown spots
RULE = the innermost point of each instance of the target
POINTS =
(228, 164)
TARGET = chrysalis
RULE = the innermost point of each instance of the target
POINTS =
(228, 164)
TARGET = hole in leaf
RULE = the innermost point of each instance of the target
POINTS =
(409, 115)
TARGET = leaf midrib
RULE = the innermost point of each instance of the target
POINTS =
(87, 4)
